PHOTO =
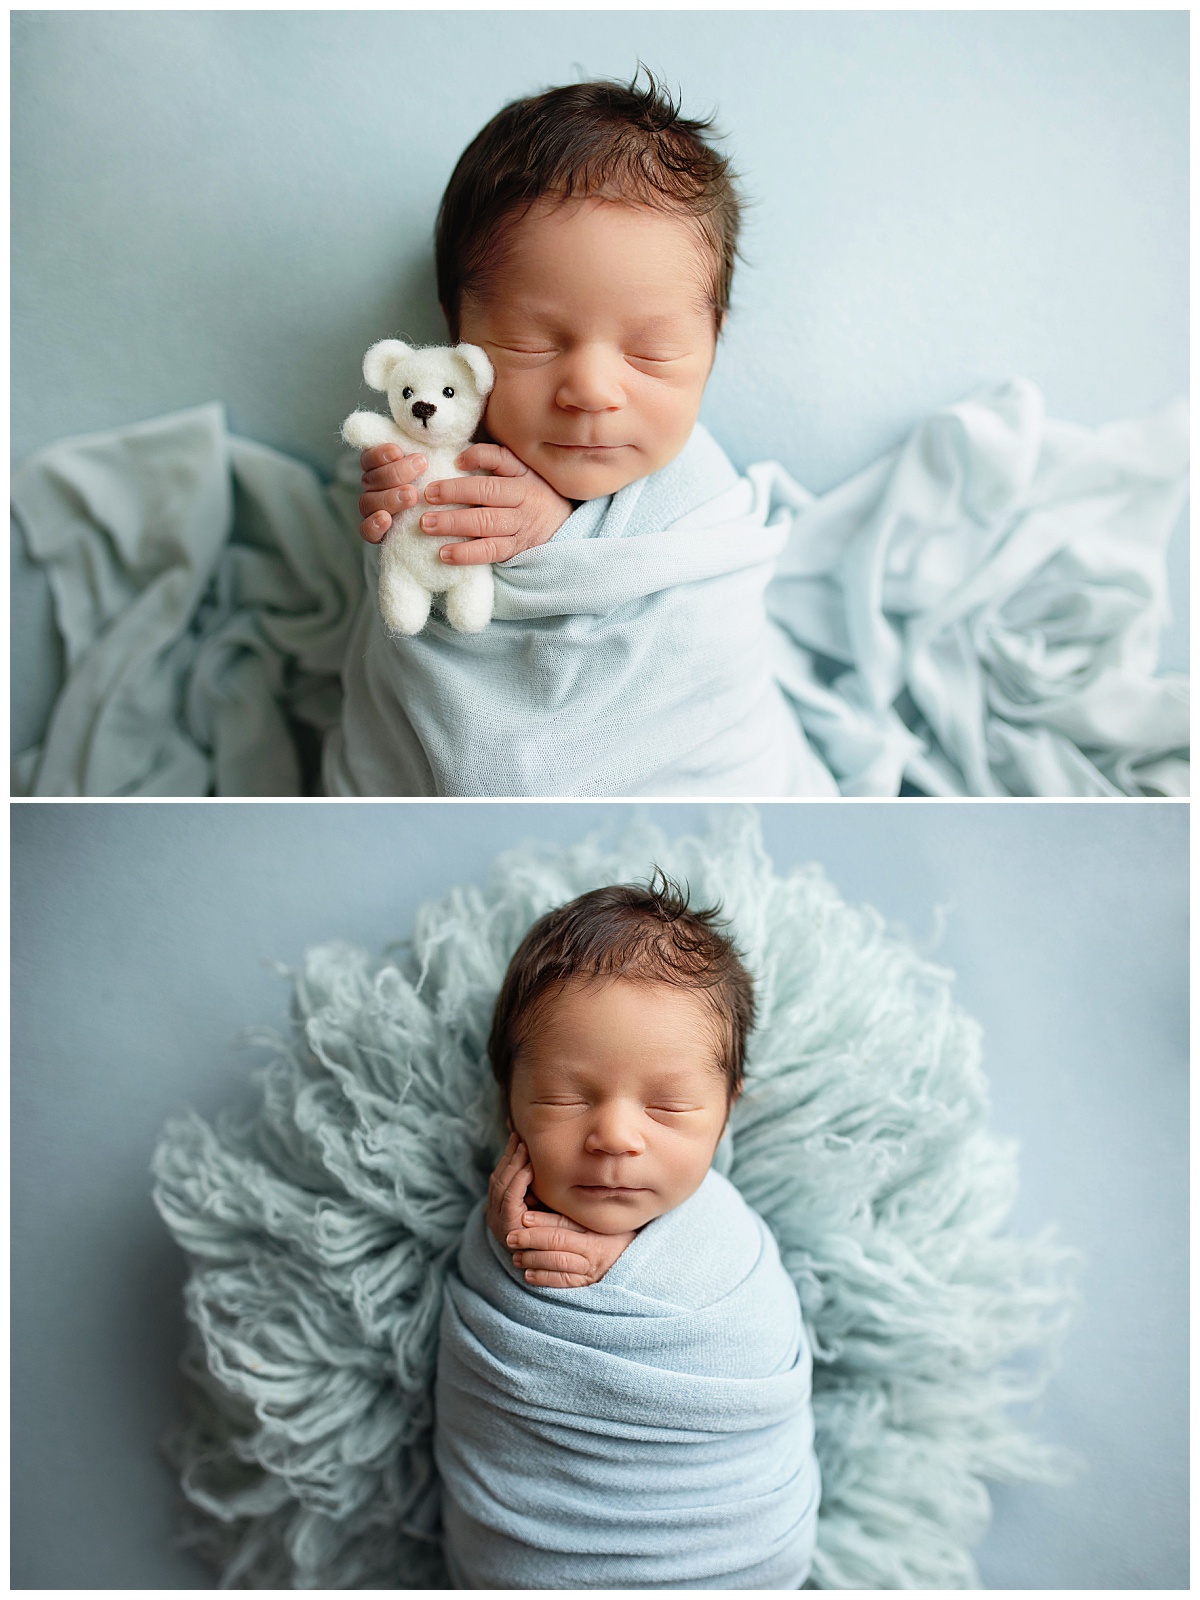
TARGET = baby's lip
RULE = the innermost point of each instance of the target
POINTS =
(611, 1188)
(554, 445)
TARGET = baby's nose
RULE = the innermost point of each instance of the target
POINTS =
(615, 1134)
(423, 410)
(591, 382)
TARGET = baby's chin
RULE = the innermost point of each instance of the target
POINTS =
(613, 1214)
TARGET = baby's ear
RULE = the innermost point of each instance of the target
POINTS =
(380, 362)
(479, 367)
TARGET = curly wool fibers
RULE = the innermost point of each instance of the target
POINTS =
(319, 1228)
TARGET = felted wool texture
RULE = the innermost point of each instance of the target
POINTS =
(320, 1225)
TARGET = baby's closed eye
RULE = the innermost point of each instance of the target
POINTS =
(535, 349)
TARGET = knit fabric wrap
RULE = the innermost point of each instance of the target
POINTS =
(651, 1431)
(629, 656)
(321, 1224)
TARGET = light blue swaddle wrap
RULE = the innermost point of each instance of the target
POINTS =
(652, 1431)
(629, 656)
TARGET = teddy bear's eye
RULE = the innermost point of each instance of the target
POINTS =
(448, 392)
(406, 394)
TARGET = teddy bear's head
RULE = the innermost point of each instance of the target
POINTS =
(437, 395)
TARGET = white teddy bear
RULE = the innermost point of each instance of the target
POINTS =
(437, 397)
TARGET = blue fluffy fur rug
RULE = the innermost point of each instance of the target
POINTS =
(319, 1229)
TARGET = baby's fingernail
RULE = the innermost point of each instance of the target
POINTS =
(433, 491)
(429, 521)
(444, 554)
(511, 1239)
(529, 1277)
(528, 1220)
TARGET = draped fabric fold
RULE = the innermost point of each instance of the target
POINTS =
(204, 588)
(652, 1431)
(980, 612)
(977, 613)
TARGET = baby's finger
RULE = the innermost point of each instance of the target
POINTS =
(395, 474)
(491, 458)
(374, 528)
(478, 552)
(471, 522)
(378, 456)
(558, 1280)
(550, 1261)
(509, 1152)
(475, 492)
(540, 1239)
(510, 1166)
(551, 1219)
(513, 1200)
(390, 501)
(509, 1163)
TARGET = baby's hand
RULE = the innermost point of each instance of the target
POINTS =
(387, 476)
(554, 1252)
(507, 1187)
(498, 517)
(511, 511)
(557, 1253)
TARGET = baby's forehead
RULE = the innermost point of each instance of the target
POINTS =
(559, 1044)
(653, 226)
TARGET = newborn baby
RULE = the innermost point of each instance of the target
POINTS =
(586, 242)
(623, 1390)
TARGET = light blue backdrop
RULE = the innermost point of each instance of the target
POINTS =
(143, 938)
(232, 205)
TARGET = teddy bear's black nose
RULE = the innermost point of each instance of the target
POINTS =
(423, 410)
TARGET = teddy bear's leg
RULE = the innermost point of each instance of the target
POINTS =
(469, 603)
(403, 602)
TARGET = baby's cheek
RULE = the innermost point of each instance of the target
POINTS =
(503, 415)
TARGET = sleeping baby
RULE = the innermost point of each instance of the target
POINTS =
(623, 1382)
(586, 241)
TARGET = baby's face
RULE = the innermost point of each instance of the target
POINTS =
(620, 1101)
(598, 323)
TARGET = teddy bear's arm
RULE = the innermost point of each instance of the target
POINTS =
(363, 430)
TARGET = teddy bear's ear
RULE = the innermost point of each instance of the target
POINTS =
(380, 362)
(480, 367)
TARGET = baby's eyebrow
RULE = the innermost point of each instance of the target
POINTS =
(668, 322)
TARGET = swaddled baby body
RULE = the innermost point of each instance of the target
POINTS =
(623, 1392)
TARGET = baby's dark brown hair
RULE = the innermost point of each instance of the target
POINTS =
(603, 139)
(648, 935)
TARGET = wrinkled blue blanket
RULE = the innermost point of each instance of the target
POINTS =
(979, 612)
(652, 1431)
